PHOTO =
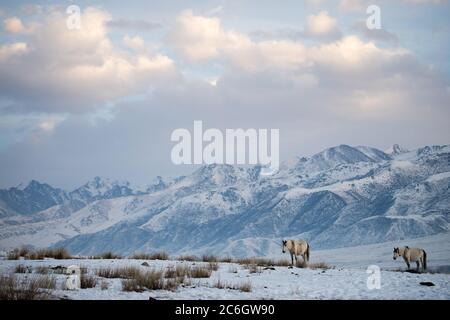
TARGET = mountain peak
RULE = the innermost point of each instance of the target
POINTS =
(34, 185)
(396, 150)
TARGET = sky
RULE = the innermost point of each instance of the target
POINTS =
(104, 98)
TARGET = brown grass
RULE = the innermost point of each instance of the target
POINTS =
(107, 255)
(42, 269)
(213, 266)
(263, 262)
(200, 272)
(221, 285)
(121, 272)
(58, 253)
(190, 258)
(225, 259)
(87, 281)
(130, 285)
(180, 271)
(30, 288)
(209, 258)
(150, 256)
(253, 268)
(150, 280)
(20, 268)
(17, 253)
(244, 287)
(159, 256)
(140, 256)
(13, 255)
(35, 255)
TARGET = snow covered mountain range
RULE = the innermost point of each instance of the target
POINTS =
(342, 196)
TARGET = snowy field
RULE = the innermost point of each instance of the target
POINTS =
(281, 283)
(437, 248)
(347, 280)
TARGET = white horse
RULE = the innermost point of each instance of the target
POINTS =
(412, 255)
(296, 248)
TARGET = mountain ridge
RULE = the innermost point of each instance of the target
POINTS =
(341, 196)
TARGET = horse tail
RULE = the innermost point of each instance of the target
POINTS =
(424, 261)
(307, 251)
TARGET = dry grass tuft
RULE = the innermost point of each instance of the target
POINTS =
(244, 287)
(121, 272)
(140, 256)
(151, 280)
(263, 262)
(29, 288)
(189, 258)
(226, 260)
(20, 268)
(159, 256)
(213, 266)
(200, 272)
(57, 253)
(13, 255)
(180, 271)
(221, 285)
(151, 256)
(253, 268)
(209, 258)
(42, 269)
(87, 281)
(107, 255)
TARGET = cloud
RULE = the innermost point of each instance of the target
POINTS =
(15, 25)
(32, 8)
(13, 50)
(320, 28)
(139, 25)
(352, 5)
(376, 34)
(214, 11)
(61, 70)
(136, 42)
(322, 25)
(350, 89)
(425, 1)
(199, 38)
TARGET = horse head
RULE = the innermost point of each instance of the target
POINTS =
(396, 253)
(284, 246)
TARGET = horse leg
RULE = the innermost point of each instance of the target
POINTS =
(423, 263)
(417, 265)
(292, 260)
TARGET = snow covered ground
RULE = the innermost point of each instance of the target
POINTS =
(347, 280)
(437, 248)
